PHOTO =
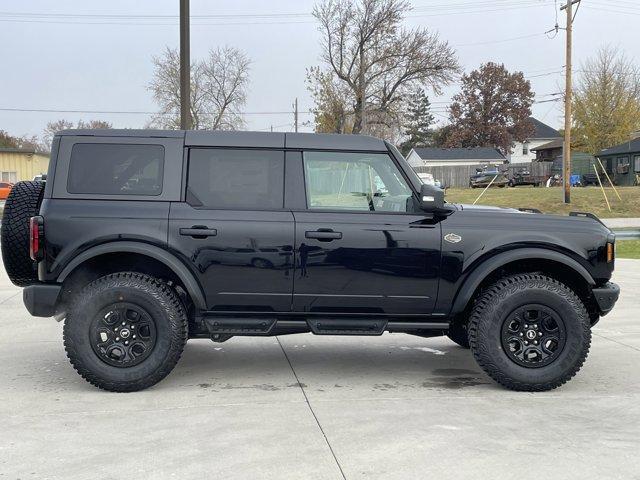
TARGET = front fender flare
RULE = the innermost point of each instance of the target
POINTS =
(171, 261)
(480, 272)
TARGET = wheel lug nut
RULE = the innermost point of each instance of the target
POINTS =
(126, 343)
(539, 334)
(526, 343)
(134, 336)
(526, 326)
(117, 339)
(123, 323)
(521, 334)
(535, 342)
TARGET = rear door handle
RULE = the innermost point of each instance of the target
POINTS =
(199, 231)
(323, 234)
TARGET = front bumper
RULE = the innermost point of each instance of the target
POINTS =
(606, 297)
(41, 299)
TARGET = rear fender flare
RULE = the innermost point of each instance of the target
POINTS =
(171, 261)
(475, 278)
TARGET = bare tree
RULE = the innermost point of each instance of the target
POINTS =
(366, 48)
(63, 124)
(606, 101)
(53, 127)
(218, 89)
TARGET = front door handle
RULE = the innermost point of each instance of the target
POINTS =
(323, 234)
(199, 231)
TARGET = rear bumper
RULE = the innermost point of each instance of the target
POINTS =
(606, 297)
(41, 299)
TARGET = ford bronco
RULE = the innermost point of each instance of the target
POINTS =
(140, 240)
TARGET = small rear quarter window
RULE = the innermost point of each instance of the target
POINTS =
(116, 169)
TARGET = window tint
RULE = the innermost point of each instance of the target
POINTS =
(243, 179)
(116, 169)
(354, 181)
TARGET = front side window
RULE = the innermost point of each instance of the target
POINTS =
(637, 163)
(236, 179)
(355, 181)
(116, 169)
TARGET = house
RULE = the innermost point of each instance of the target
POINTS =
(440, 157)
(523, 152)
(581, 163)
(18, 164)
(622, 162)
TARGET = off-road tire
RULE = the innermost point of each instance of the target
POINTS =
(22, 204)
(162, 304)
(502, 298)
(458, 333)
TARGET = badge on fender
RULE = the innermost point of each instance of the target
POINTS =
(452, 238)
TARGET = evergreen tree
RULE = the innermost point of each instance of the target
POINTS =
(419, 121)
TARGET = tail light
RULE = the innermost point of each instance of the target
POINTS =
(36, 231)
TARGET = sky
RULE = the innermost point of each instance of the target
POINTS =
(80, 56)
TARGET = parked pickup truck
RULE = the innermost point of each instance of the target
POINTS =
(140, 240)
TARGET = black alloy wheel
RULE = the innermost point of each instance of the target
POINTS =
(123, 334)
(533, 335)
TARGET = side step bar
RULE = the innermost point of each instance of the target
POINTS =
(221, 328)
(239, 326)
(339, 326)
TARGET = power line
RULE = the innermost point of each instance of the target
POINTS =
(261, 19)
(136, 112)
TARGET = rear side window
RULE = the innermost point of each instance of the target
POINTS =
(116, 169)
(236, 179)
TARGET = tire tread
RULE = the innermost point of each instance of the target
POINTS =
(489, 300)
(167, 297)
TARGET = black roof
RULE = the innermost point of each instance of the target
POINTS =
(247, 139)
(552, 145)
(632, 146)
(453, 154)
(543, 130)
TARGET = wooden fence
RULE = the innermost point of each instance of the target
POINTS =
(458, 175)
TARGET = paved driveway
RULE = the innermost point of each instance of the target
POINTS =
(307, 407)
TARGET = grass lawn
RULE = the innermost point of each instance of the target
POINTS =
(549, 200)
(628, 249)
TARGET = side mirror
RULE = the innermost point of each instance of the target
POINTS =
(431, 198)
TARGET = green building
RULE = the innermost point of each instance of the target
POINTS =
(622, 162)
(581, 163)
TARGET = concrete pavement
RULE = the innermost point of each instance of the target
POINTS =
(306, 407)
(621, 222)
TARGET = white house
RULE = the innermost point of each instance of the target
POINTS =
(438, 157)
(522, 151)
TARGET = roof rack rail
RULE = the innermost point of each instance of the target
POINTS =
(586, 214)
(530, 210)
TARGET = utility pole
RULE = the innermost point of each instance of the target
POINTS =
(185, 67)
(295, 115)
(566, 160)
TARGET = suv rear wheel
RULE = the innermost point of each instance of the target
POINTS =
(125, 331)
(530, 332)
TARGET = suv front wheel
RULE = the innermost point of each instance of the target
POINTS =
(530, 332)
(125, 331)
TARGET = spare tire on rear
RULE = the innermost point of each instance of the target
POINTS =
(22, 204)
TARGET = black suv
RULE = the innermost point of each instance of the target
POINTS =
(141, 240)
